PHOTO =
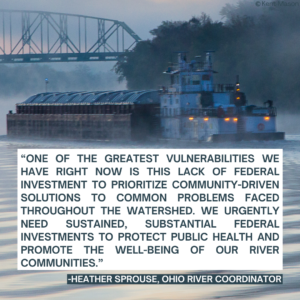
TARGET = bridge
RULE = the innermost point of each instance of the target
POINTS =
(43, 37)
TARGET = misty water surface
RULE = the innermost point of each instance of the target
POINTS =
(52, 285)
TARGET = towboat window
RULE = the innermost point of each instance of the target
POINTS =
(205, 77)
(196, 79)
(172, 79)
(185, 79)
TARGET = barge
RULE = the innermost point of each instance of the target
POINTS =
(191, 108)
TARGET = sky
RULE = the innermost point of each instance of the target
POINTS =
(141, 15)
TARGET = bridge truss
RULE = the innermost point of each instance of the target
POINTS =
(39, 36)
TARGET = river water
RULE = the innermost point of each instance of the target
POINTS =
(52, 285)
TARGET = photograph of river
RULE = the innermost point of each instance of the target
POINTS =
(148, 74)
(52, 284)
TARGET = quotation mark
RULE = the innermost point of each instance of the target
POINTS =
(257, 3)
(23, 156)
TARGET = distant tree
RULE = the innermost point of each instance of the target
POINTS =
(260, 44)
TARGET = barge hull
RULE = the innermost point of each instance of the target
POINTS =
(81, 126)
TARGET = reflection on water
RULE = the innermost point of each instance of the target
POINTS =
(52, 285)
